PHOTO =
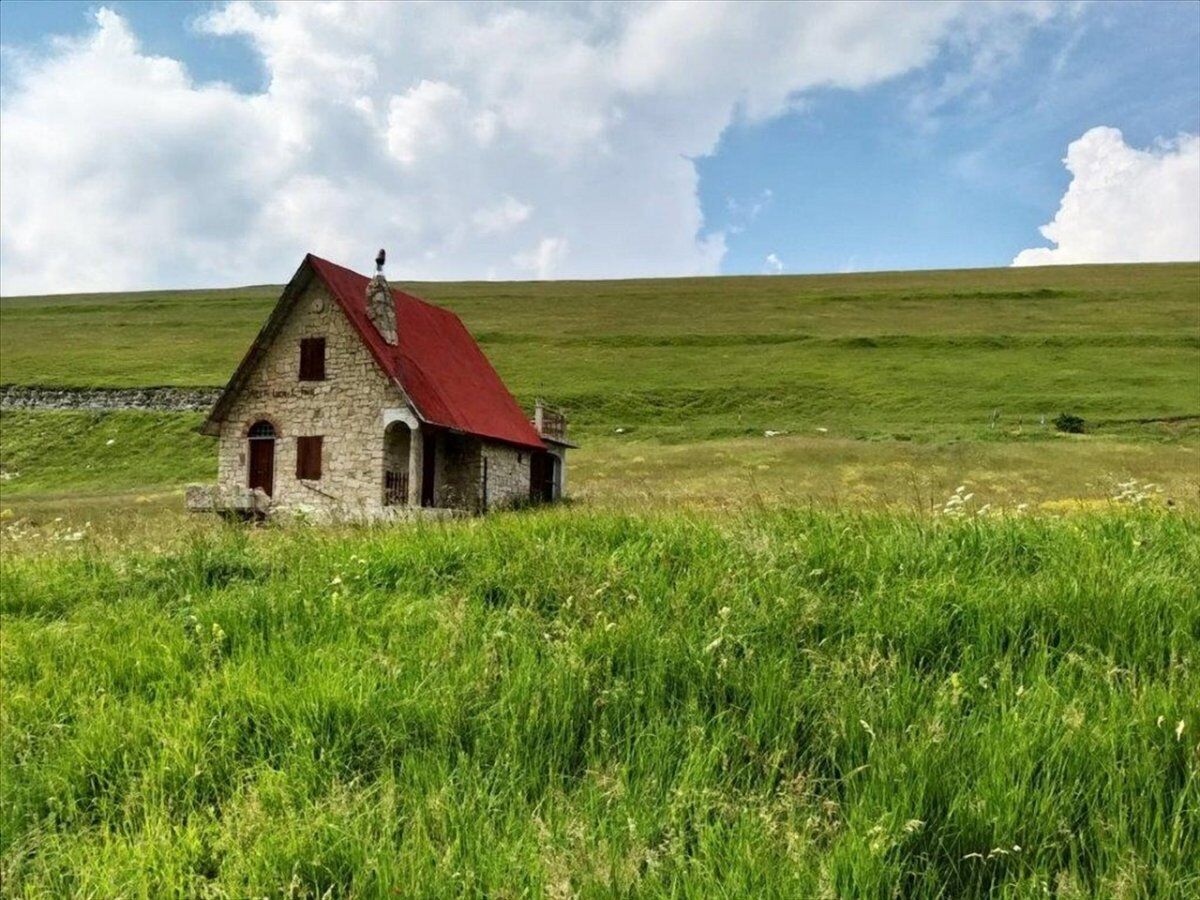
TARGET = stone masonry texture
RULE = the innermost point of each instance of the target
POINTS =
(345, 409)
(169, 399)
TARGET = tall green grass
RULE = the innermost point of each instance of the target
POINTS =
(790, 703)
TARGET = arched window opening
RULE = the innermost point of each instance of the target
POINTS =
(261, 429)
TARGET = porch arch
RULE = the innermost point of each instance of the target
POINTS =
(397, 452)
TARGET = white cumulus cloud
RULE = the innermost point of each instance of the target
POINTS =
(544, 260)
(1125, 204)
(506, 214)
(772, 265)
(469, 139)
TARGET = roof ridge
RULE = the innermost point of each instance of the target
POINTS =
(436, 361)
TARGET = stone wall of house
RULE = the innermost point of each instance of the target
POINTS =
(345, 409)
(507, 475)
(458, 465)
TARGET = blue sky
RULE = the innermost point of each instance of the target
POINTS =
(969, 185)
(951, 155)
(165, 28)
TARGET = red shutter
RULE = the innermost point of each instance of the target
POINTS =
(308, 457)
(312, 359)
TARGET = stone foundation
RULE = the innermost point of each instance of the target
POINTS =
(225, 499)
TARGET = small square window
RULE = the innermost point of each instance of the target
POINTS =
(312, 359)
(308, 457)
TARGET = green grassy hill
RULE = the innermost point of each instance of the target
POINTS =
(926, 353)
(673, 383)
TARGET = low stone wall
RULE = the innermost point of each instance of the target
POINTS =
(171, 399)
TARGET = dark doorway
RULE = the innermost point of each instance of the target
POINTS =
(262, 457)
(428, 468)
(542, 477)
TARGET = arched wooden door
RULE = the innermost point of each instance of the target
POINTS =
(262, 456)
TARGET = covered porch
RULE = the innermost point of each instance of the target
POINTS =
(428, 468)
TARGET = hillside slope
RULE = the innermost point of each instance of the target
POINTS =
(883, 387)
(927, 354)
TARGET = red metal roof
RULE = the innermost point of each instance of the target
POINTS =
(436, 361)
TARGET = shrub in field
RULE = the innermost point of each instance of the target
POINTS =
(1068, 423)
(559, 702)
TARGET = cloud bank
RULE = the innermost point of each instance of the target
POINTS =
(470, 140)
(1125, 204)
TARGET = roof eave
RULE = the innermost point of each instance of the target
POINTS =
(298, 282)
(511, 442)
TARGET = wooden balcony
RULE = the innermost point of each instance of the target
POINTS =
(550, 422)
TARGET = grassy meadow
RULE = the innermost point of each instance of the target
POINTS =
(788, 703)
(87, 466)
(764, 652)
(876, 388)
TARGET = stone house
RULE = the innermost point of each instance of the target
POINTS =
(357, 400)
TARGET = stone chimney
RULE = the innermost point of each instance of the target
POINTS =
(381, 306)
